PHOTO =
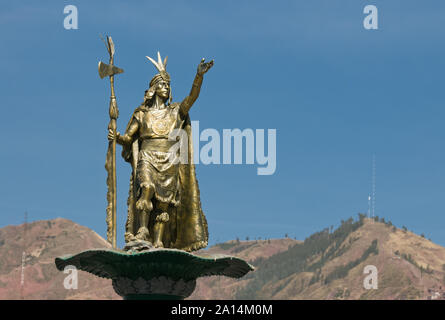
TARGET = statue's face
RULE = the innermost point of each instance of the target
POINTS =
(163, 89)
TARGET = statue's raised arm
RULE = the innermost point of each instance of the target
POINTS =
(187, 103)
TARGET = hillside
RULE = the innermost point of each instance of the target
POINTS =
(327, 265)
(42, 242)
(330, 265)
(216, 287)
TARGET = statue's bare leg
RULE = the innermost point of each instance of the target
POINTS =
(159, 225)
(144, 206)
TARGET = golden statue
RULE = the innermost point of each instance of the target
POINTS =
(164, 208)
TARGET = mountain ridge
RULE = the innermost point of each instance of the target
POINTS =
(329, 264)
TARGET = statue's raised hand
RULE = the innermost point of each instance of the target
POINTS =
(203, 67)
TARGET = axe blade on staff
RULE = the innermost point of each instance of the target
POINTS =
(106, 70)
(109, 70)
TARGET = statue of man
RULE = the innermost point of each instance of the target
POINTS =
(164, 205)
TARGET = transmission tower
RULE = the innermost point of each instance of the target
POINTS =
(369, 205)
(22, 277)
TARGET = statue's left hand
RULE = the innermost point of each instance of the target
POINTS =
(203, 67)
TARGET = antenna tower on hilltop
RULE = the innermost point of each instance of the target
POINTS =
(369, 205)
(22, 277)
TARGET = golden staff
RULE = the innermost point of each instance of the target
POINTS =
(110, 164)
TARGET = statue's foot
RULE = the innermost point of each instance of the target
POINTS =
(158, 244)
(129, 237)
(144, 205)
(142, 234)
(138, 246)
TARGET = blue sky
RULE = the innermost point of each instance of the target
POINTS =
(335, 92)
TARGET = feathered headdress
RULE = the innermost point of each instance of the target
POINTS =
(161, 68)
(162, 75)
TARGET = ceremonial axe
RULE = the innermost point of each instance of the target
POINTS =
(109, 70)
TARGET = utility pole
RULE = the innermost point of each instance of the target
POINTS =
(22, 277)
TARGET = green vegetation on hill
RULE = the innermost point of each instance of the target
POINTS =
(309, 256)
(410, 259)
(342, 271)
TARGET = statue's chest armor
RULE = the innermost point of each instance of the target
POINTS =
(159, 123)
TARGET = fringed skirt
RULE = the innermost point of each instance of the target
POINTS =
(158, 169)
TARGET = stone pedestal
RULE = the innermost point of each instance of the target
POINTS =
(155, 273)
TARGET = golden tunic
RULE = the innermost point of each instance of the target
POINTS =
(156, 166)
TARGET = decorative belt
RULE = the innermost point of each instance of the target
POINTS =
(160, 144)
